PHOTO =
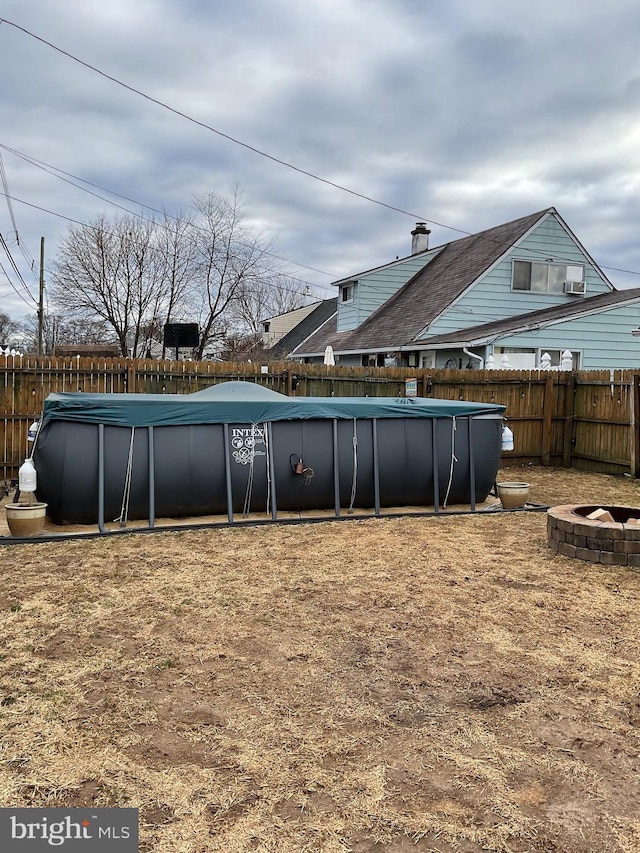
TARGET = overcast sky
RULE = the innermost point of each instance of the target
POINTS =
(465, 113)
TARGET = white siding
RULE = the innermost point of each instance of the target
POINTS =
(282, 324)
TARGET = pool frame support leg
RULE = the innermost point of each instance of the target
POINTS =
(152, 479)
(272, 473)
(376, 468)
(336, 469)
(434, 453)
(472, 466)
(101, 527)
(227, 472)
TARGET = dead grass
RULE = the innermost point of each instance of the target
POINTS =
(438, 684)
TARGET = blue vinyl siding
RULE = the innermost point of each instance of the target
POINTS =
(376, 287)
(491, 297)
(604, 340)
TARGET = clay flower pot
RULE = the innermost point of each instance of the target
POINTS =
(513, 495)
(26, 519)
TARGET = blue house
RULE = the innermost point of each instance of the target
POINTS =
(508, 295)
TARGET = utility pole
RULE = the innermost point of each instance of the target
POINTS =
(41, 298)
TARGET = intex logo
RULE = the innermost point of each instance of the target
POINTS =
(244, 441)
(54, 833)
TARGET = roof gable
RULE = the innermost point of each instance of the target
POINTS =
(306, 327)
(428, 293)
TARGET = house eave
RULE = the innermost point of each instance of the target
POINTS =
(343, 352)
(390, 265)
(450, 344)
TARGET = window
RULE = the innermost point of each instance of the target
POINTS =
(348, 291)
(544, 277)
(267, 326)
(515, 358)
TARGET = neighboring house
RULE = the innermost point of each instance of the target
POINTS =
(305, 324)
(275, 328)
(520, 290)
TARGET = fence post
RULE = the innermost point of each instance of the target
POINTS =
(548, 408)
(569, 415)
(634, 424)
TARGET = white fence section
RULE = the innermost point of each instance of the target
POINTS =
(566, 362)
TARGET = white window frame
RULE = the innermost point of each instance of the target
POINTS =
(499, 351)
(347, 292)
(566, 272)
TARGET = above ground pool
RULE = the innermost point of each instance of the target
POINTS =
(238, 448)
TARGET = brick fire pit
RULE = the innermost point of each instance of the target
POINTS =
(612, 543)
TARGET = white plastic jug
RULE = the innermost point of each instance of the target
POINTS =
(27, 477)
(507, 438)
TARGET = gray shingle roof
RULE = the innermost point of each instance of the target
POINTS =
(425, 296)
(305, 327)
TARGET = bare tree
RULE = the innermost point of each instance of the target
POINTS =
(8, 329)
(273, 295)
(231, 261)
(58, 331)
(135, 275)
(245, 347)
(111, 270)
(178, 253)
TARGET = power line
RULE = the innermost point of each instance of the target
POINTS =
(15, 289)
(14, 266)
(226, 135)
(88, 225)
(18, 243)
(47, 167)
(252, 148)
(5, 184)
(46, 210)
(41, 164)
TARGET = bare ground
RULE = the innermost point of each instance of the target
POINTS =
(412, 684)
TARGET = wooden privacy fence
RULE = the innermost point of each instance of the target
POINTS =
(586, 419)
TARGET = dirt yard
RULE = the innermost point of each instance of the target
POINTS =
(412, 684)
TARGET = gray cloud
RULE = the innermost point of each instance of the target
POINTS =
(465, 114)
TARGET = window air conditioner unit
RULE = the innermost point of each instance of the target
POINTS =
(577, 288)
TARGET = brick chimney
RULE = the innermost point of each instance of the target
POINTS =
(419, 238)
